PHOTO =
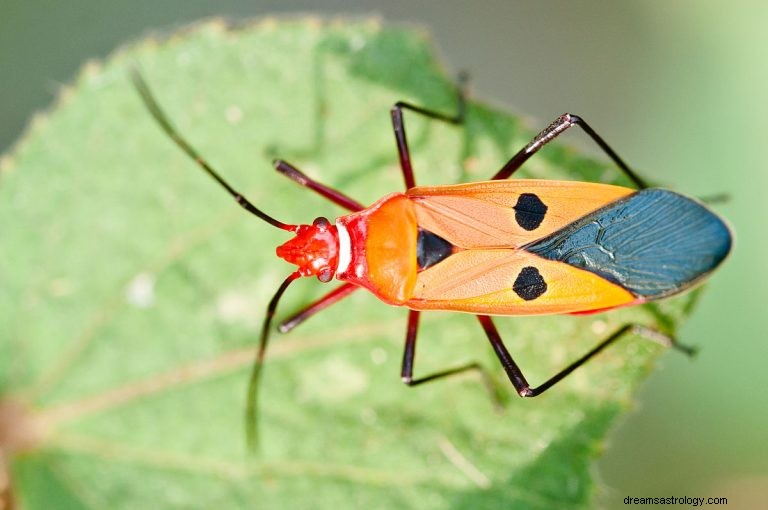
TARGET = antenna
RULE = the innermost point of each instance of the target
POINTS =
(162, 119)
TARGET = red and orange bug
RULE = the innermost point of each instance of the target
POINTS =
(499, 247)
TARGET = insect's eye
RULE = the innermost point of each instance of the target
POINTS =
(325, 275)
(321, 223)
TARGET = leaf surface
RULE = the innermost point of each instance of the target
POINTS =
(133, 291)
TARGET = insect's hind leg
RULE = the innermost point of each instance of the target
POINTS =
(398, 125)
(555, 129)
(519, 381)
(409, 353)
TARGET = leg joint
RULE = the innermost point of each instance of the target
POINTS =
(526, 392)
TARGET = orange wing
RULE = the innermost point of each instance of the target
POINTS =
(512, 282)
(510, 213)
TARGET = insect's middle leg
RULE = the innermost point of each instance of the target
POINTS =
(406, 373)
(398, 125)
(519, 381)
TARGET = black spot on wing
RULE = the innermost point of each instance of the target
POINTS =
(529, 211)
(653, 243)
(431, 249)
(529, 284)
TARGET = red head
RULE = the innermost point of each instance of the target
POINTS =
(315, 249)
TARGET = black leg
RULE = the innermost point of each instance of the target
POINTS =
(399, 126)
(406, 373)
(521, 384)
(331, 194)
(555, 129)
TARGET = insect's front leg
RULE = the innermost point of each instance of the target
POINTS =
(311, 309)
(332, 194)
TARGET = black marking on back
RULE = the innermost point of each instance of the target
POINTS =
(431, 249)
(529, 211)
(529, 284)
(653, 243)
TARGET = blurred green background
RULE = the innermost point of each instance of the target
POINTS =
(678, 88)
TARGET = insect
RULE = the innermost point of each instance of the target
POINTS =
(497, 247)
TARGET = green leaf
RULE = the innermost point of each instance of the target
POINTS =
(133, 290)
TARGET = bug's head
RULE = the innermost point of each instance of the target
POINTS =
(315, 249)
